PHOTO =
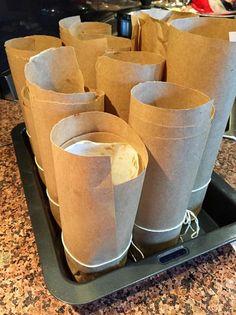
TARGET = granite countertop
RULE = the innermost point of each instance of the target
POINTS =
(205, 285)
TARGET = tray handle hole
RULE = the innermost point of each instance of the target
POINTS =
(172, 254)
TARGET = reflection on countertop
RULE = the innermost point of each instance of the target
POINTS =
(205, 285)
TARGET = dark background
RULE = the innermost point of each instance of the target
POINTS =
(30, 17)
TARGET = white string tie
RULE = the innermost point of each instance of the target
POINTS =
(202, 187)
(190, 220)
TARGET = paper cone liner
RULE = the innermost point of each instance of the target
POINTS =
(174, 161)
(212, 70)
(170, 105)
(46, 114)
(19, 50)
(89, 47)
(64, 25)
(54, 75)
(117, 73)
(97, 217)
(29, 121)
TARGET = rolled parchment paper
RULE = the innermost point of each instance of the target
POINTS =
(211, 70)
(64, 25)
(117, 73)
(55, 93)
(30, 127)
(19, 50)
(97, 217)
(173, 160)
(89, 46)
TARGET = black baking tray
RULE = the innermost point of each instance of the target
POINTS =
(217, 221)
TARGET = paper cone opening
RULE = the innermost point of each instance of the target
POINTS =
(56, 71)
(212, 70)
(117, 73)
(93, 238)
(89, 46)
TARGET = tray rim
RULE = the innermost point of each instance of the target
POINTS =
(74, 293)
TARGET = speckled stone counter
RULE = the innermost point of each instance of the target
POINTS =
(206, 285)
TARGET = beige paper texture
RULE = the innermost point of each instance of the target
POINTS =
(117, 73)
(19, 50)
(212, 70)
(97, 217)
(64, 25)
(173, 161)
(89, 47)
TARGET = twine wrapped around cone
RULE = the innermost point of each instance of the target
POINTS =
(19, 50)
(117, 73)
(55, 83)
(173, 121)
(30, 127)
(90, 45)
(211, 70)
(97, 216)
(64, 25)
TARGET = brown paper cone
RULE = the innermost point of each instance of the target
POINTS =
(85, 190)
(64, 25)
(55, 73)
(53, 96)
(117, 73)
(173, 161)
(19, 50)
(212, 70)
(89, 47)
(150, 29)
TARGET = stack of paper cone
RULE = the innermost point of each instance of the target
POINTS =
(97, 216)
(19, 50)
(92, 44)
(117, 73)
(56, 90)
(211, 70)
(173, 122)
